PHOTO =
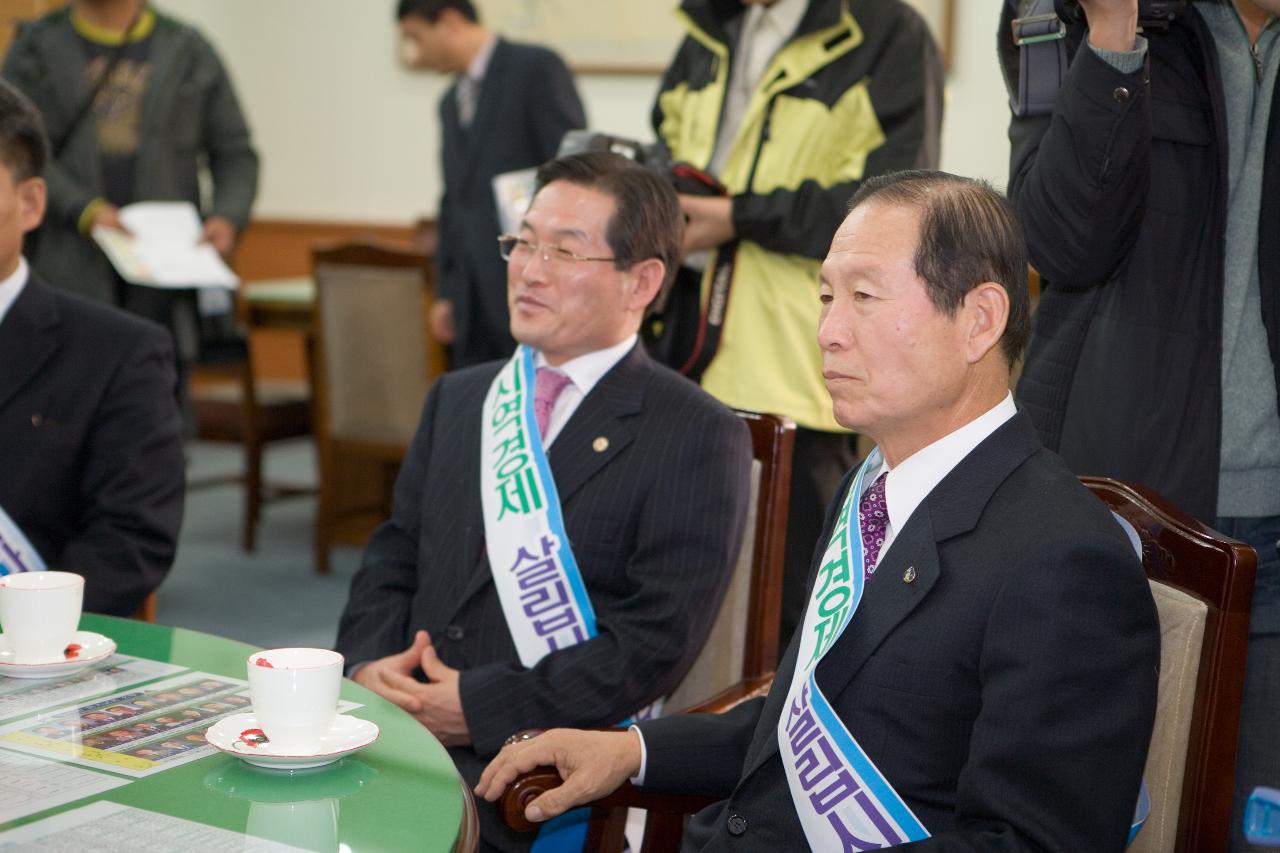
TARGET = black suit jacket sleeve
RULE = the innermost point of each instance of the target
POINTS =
(376, 619)
(1079, 178)
(688, 537)
(132, 482)
(699, 754)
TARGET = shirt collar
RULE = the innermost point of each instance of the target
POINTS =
(916, 476)
(480, 62)
(586, 370)
(12, 286)
(783, 17)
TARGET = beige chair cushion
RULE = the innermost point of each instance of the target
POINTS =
(1182, 624)
(375, 347)
(719, 664)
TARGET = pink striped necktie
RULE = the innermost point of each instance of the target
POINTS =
(873, 518)
(548, 384)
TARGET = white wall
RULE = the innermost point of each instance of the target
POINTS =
(346, 134)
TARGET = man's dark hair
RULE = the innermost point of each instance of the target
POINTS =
(646, 222)
(429, 10)
(968, 235)
(24, 148)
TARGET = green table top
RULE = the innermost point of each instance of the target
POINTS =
(301, 291)
(400, 793)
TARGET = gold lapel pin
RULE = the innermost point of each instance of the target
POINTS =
(600, 445)
(909, 576)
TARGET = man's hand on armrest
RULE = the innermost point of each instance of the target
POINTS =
(592, 765)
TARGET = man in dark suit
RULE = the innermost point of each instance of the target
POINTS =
(652, 482)
(507, 110)
(91, 464)
(994, 687)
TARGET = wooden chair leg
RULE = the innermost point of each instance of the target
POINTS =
(252, 494)
(606, 829)
(324, 517)
(147, 612)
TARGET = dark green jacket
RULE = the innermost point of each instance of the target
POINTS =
(189, 115)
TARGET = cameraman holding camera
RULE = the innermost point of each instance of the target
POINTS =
(1150, 197)
(790, 105)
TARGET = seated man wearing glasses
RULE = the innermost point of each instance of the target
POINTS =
(565, 521)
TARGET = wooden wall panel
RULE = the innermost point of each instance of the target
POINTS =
(281, 248)
(12, 11)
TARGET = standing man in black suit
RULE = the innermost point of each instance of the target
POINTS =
(91, 464)
(508, 108)
(572, 585)
(976, 669)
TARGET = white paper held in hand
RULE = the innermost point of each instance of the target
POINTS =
(163, 247)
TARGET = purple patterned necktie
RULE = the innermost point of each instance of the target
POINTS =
(547, 385)
(873, 518)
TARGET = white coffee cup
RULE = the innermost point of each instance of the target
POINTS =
(39, 614)
(295, 696)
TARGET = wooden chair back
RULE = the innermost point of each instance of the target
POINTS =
(374, 361)
(1203, 585)
(743, 645)
(743, 642)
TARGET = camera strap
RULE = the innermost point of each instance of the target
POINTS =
(711, 319)
(1040, 37)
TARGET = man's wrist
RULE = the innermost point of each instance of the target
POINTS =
(85, 222)
(638, 778)
(1124, 61)
(1116, 34)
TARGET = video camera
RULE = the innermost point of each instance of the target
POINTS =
(654, 156)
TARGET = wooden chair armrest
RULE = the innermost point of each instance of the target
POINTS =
(529, 786)
(733, 696)
(538, 781)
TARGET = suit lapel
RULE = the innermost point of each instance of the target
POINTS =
(953, 507)
(26, 337)
(593, 437)
(599, 428)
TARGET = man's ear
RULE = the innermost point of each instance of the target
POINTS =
(32, 197)
(647, 276)
(985, 313)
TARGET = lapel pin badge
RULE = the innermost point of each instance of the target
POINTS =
(600, 445)
(909, 576)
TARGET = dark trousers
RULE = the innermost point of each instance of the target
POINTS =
(1258, 749)
(821, 460)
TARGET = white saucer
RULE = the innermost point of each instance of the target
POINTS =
(93, 648)
(345, 736)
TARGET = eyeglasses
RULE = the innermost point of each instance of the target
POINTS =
(520, 250)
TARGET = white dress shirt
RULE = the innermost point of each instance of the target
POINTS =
(765, 29)
(12, 286)
(909, 484)
(468, 91)
(583, 372)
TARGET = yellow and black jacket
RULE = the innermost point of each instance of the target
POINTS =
(856, 91)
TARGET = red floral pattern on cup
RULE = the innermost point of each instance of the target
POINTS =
(263, 662)
(254, 737)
